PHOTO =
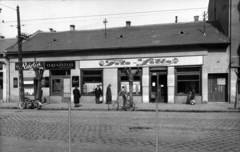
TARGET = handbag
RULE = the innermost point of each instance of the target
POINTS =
(100, 99)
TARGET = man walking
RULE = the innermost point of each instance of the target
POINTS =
(77, 96)
(109, 95)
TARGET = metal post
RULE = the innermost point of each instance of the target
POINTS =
(156, 120)
(69, 126)
(20, 69)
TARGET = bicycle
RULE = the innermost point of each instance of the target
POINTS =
(128, 106)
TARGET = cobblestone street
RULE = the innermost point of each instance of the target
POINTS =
(32, 130)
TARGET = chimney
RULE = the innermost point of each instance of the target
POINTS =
(196, 18)
(72, 27)
(176, 19)
(128, 23)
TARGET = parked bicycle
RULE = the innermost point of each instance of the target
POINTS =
(115, 105)
(31, 104)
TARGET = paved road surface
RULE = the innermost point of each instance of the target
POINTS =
(38, 130)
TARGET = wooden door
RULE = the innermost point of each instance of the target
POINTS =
(217, 88)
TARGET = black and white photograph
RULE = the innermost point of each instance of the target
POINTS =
(119, 75)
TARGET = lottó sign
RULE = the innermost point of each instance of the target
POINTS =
(141, 62)
(30, 65)
(60, 65)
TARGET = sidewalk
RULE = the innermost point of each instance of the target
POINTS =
(210, 107)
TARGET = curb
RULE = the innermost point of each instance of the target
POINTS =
(143, 110)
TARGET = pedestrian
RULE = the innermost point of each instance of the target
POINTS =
(98, 94)
(77, 96)
(192, 96)
(123, 93)
(109, 95)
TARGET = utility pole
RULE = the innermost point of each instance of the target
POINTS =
(204, 20)
(105, 23)
(20, 69)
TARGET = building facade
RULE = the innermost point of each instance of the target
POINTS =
(172, 59)
(227, 12)
(4, 87)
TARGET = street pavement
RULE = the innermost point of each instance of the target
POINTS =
(209, 107)
(118, 131)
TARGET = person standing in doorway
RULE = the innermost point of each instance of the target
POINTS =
(98, 94)
(77, 96)
(109, 95)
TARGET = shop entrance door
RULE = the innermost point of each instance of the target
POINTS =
(158, 88)
(217, 88)
(66, 90)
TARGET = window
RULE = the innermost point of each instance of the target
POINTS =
(188, 78)
(90, 80)
(28, 84)
(56, 86)
(136, 81)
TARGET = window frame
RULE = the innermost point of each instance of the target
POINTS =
(94, 75)
(120, 74)
(188, 73)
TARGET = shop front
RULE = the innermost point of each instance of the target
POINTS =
(162, 79)
(56, 82)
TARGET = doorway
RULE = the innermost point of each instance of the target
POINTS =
(158, 85)
(217, 87)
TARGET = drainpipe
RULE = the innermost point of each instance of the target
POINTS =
(230, 49)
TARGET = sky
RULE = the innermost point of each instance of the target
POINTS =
(89, 14)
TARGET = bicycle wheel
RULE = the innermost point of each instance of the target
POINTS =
(114, 106)
(22, 105)
(36, 105)
(130, 107)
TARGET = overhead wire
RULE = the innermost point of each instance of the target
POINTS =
(114, 14)
(129, 15)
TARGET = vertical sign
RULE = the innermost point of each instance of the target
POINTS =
(75, 81)
(15, 82)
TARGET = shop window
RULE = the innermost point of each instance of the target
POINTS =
(28, 87)
(188, 78)
(123, 80)
(60, 72)
(90, 80)
(56, 86)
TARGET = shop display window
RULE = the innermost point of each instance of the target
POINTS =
(188, 78)
(90, 79)
(136, 83)
(28, 87)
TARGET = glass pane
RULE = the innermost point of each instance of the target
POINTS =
(183, 87)
(136, 87)
(89, 88)
(91, 79)
(60, 72)
(56, 86)
(28, 87)
(187, 69)
(188, 77)
(92, 72)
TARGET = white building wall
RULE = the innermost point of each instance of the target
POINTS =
(110, 76)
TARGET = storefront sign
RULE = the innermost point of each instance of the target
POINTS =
(30, 65)
(75, 81)
(60, 65)
(140, 62)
